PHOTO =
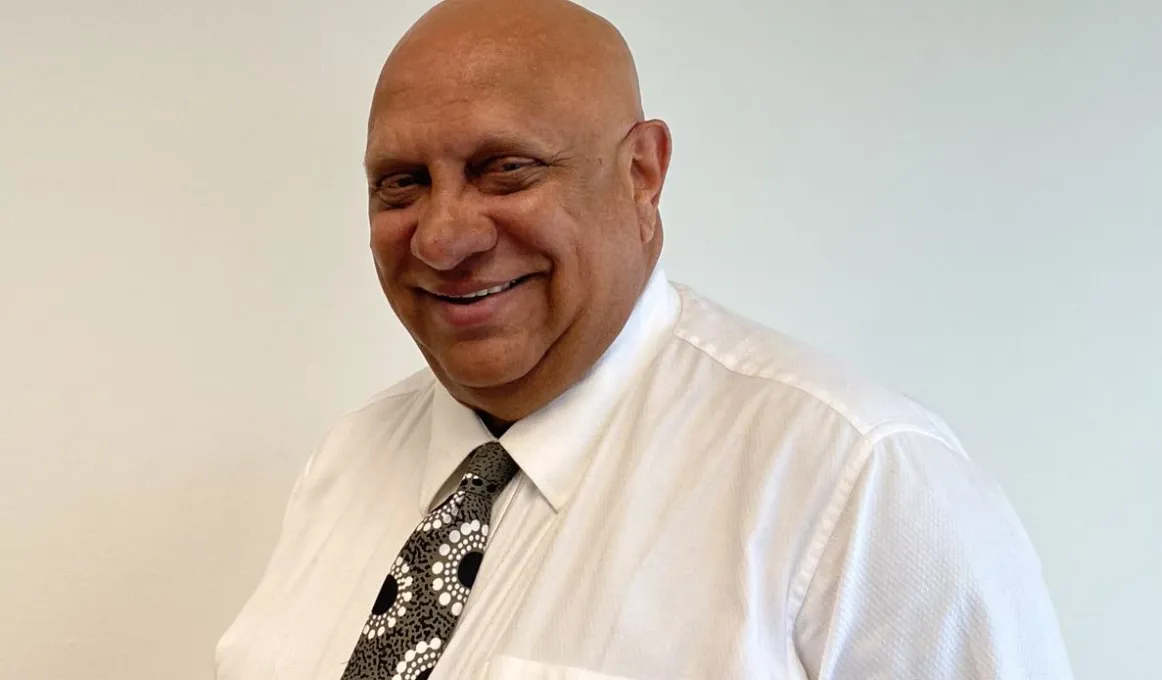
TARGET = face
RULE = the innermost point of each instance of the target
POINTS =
(505, 231)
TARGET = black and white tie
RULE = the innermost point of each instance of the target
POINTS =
(422, 598)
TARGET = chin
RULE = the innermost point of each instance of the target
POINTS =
(485, 364)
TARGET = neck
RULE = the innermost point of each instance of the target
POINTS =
(565, 364)
(495, 425)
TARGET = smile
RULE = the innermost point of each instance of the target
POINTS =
(483, 294)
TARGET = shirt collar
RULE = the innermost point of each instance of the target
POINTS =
(551, 445)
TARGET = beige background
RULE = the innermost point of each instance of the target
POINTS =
(962, 198)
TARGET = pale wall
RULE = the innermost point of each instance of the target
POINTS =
(962, 198)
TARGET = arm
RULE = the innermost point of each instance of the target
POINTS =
(927, 574)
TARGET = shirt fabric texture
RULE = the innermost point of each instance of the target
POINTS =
(713, 501)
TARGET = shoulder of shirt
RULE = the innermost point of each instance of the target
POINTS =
(381, 406)
(384, 410)
(747, 348)
(419, 382)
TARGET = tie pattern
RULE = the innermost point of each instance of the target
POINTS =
(424, 594)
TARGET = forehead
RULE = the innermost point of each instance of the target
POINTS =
(454, 113)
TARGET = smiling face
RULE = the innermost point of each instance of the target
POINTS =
(513, 220)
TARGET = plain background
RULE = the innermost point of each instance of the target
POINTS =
(961, 198)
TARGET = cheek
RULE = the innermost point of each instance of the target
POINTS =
(537, 225)
(390, 241)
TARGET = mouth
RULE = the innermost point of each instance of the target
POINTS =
(481, 295)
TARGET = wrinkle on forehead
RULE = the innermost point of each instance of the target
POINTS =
(548, 55)
(486, 127)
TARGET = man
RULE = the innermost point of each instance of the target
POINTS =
(602, 475)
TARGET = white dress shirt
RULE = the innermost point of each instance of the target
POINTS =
(712, 502)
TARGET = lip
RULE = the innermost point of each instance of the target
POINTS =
(483, 312)
(462, 288)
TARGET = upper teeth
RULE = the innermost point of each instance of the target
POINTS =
(483, 293)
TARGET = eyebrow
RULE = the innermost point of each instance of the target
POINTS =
(378, 162)
(506, 143)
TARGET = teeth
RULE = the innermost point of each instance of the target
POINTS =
(484, 293)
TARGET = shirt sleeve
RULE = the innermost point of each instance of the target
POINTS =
(244, 644)
(927, 573)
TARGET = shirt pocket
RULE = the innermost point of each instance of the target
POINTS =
(512, 668)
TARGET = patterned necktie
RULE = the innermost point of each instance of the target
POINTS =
(422, 598)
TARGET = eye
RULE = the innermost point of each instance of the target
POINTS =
(507, 164)
(502, 175)
(399, 189)
(399, 181)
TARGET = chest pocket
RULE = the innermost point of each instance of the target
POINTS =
(512, 668)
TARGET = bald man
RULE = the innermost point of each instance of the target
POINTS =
(601, 475)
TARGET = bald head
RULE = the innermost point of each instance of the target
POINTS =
(553, 52)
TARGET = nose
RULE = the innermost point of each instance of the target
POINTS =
(451, 230)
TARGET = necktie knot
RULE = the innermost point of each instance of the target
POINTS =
(490, 469)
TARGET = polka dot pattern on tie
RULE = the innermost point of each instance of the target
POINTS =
(461, 556)
(427, 588)
(418, 662)
(392, 603)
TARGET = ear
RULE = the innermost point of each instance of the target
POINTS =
(650, 161)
